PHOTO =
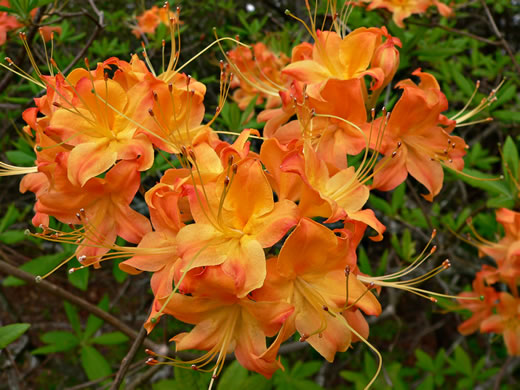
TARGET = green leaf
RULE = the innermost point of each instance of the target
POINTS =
(72, 315)
(424, 361)
(11, 237)
(94, 323)
(94, 364)
(507, 116)
(463, 83)
(398, 198)
(511, 160)
(119, 275)
(427, 384)
(58, 341)
(462, 361)
(257, 382)
(37, 266)
(10, 216)
(380, 204)
(11, 332)
(20, 158)
(78, 279)
(304, 370)
(111, 338)
(364, 263)
(474, 179)
(233, 377)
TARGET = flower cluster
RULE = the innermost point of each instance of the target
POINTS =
(401, 9)
(151, 18)
(497, 312)
(244, 243)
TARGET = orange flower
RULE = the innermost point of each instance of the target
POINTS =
(310, 273)
(506, 322)
(401, 9)
(339, 58)
(507, 251)
(102, 206)
(235, 218)
(99, 128)
(414, 142)
(481, 309)
(258, 74)
(7, 22)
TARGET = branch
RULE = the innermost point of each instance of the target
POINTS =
(99, 26)
(500, 36)
(454, 30)
(62, 293)
(127, 360)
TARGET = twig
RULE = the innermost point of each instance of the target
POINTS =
(500, 36)
(56, 290)
(141, 378)
(127, 360)
(99, 26)
(419, 203)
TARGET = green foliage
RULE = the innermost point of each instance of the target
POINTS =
(11, 332)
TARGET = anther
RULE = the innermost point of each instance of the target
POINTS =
(82, 258)
(347, 270)
(170, 87)
(434, 248)
(192, 155)
(150, 352)
(434, 233)
(214, 376)
(230, 160)
(399, 144)
(194, 367)
(56, 104)
(226, 181)
(482, 298)
(325, 308)
(37, 279)
(394, 154)
(9, 61)
(27, 232)
(150, 112)
(151, 361)
(303, 337)
(235, 169)
(446, 264)
(72, 270)
(434, 300)
(155, 96)
(87, 63)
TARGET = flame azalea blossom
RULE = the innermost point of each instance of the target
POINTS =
(339, 58)
(507, 251)
(506, 322)
(7, 22)
(423, 145)
(102, 205)
(334, 196)
(98, 133)
(259, 77)
(233, 224)
(481, 309)
(310, 272)
(224, 324)
(401, 9)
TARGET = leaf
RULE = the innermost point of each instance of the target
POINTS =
(482, 180)
(427, 384)
(511, 160)
(507, 116)
(304, 370)
(119, 276)
(233, 377)
(10, 216)
(17, 157)
(94, 364)
(257, 382)
(380, 204)
(58, 341)
(398, 197)
(72, 315)
(463, 362)
(111, 338)
(78, 278)
(37, 266)
(364, 263)
(93, 322)
(463, 83)
(11, 237)
(11, 332)
(424, 360)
